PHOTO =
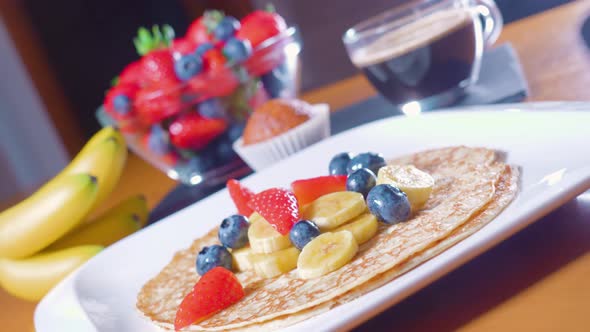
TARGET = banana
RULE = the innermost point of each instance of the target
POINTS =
(45, 216)
(326, 253)
(263, 237)
(414, 182)
(33, 277)
(115, 224)
(242, 258)
(363, 227)
(334, 209)
(276, 263)
(103, 156)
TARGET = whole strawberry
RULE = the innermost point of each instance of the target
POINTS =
(158, 67)
(132, 73)
(197, 32)
(260, 25)
(157, 102)
(182, 46)
(193, 131)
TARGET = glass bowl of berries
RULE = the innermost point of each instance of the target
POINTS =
(186, 100)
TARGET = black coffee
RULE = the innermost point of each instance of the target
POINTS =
(429, 56)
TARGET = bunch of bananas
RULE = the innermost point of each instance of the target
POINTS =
(48, 235)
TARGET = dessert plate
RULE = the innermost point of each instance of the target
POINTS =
(547, 140)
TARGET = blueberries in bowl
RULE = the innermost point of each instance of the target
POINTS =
(389, 204)
(226, 28)
(213, 256)
(303, 232)
(237, 50)
(370, 160)
(212, 108)
(233, 232)
(201, 49)
(274, 81)
(362, 181)
(338, 164)
(187, 66)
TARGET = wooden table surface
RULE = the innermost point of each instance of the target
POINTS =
(538, 280)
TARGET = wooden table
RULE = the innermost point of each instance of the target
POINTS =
(538, 280)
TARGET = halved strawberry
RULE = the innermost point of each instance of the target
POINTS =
(157, 102)
(216, 290)
(241, 196)
(307, 190)
(278, 206)
(193, 131)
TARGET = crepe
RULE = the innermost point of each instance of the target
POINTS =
(471, 189)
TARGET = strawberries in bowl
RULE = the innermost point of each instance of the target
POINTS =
(199, 88)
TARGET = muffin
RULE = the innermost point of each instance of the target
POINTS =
(279, 128)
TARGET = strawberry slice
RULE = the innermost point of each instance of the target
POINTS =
(193, 131)
(241, 196)
(278, 206)
(308, 190)
(216, 290)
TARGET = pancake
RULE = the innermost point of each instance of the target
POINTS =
(471, 189)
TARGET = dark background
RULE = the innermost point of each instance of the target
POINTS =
(89, 42)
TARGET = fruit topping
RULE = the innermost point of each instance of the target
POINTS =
(263, 237)
(326, 253)
(215, 291)
(370, 160)
(363, 227)
(187, 66)
(308, 190)
(339, 163)
(362, 181)
(233, 232)
(276, 263)
(212, 256)
(412, 181)
(242, 260)
(303, 232)
(241, 196)
(277, 206)
(389, 204)
(335, 209)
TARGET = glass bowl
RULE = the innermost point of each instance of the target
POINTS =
(229, 93)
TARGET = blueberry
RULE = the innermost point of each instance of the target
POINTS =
(303, 232)
(201, 49)
(339, 163)
(237, 50)
(213, 256)
(122, 104)
(370, 160)
(158, 140)
(226, 28)
(212, 108)
(362, 181)
(389, 204)
(233, 232)
(275, 81)
(187, 66)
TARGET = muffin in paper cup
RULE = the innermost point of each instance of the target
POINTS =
(265, 153)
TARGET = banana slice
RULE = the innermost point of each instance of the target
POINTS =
(334, 209)
(414, 182)
(276, 263)
(363, 227)
(263, 237)
(326, 253)
(242, 258)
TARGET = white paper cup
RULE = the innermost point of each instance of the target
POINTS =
(263, 154)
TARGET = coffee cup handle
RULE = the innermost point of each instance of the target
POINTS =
(492, 20)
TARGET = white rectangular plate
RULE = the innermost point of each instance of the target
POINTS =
(548, 143)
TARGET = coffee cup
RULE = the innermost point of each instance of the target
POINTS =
(425, 54)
